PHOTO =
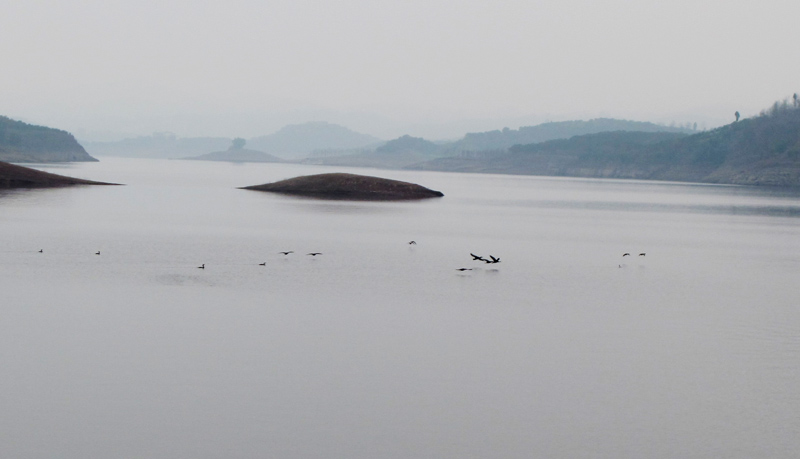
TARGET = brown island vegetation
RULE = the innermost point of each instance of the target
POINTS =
(14, 176)
(348, 187)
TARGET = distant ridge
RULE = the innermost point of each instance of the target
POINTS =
(27, 143)
(158, 145)
(764, 150)
(502, 139)
(394, 154)
(297, 141)
(407, 151)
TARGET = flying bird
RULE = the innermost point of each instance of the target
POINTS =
(626, 254)
(286, 253)
(203, 266)
(41, 251)
(263, 264)
(493, 259)
(314, 254)
(477, 257)
(464, 269)
(642, 254)
(97, 253)
(412, 242)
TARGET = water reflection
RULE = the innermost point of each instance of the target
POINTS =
(332, 206)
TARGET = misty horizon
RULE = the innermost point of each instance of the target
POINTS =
(251, 125)
(427, 69)
(443, 132)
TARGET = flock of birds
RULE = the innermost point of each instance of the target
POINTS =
(491, 260)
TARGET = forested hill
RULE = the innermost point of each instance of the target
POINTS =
(494, 140)
(764, 150)
(21, 142)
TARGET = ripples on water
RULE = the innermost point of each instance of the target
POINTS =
(378, 348)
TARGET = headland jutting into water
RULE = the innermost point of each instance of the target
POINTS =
(14, 176)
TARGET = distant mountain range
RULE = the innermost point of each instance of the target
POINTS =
(294, 141)
(394, 154)
(764, 150)
(158, 145)
(26, 143)
(406, 150)
(494, 140)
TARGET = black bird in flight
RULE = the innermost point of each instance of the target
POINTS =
(41, 251)
(97, 253)
(477, 257)
(626, 254)
(263, 264)
(286, 253)
(412, 243)
(642, 254)
(493, 259)
(464, 269)
(203, 266)
(314, 254)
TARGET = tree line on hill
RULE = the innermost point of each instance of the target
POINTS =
(22, 142)
(763, 150)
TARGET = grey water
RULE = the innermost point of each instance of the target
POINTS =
(382, 349)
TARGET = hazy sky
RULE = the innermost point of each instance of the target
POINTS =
(432, 68)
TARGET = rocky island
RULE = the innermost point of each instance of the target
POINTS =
(348, 187)
(14, 176)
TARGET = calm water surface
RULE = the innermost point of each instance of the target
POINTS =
(381, 349)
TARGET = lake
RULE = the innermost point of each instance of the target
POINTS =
(382, 349)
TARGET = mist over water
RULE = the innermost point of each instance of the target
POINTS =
(382, 349)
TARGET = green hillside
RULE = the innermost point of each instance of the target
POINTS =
(763, 150)
(21, 142)
(406, 150)
(492, 140)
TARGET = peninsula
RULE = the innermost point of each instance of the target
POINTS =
(14, 176)
(26, 143)
(351, 187)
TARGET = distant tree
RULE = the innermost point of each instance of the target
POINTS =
(238, 143)
(737, 115)
(694, 127)
(795, 100)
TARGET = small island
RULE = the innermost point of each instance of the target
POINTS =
(14, 176)
(351, 187)
(236, 153)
